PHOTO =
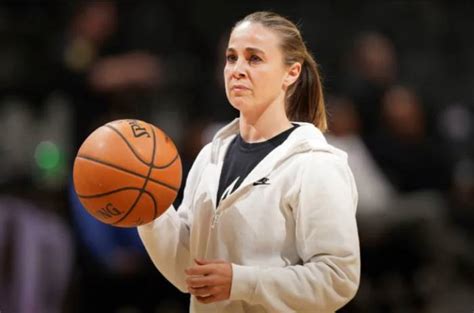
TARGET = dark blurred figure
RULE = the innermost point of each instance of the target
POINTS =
(36, 250)
(92, 24)
(75, 51)
(101, 77)
(413, 239)
(370, 69)
(406, 152)
(456, 127)
(375, 190)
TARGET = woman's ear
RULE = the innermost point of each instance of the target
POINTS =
(292, 75)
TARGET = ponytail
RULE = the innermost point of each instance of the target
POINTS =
(305, 99)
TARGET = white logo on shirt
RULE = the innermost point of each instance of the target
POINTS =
(229, 189)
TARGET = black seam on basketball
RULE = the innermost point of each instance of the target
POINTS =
(129, 145)
(137, 155)
(166, 165)
(155, 206)
(144, 184)
(98, 195)
(152, 164)
(139, 221)
(85, 157)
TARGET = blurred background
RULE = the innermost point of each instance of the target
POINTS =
(398, 78)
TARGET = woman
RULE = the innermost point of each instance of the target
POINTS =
(267, 222)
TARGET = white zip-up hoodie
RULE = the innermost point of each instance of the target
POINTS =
(292, 242)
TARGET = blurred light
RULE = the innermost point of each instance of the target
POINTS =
(47, 155)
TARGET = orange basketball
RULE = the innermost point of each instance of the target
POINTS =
(127, 173)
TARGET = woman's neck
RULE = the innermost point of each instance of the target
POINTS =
(270, 123)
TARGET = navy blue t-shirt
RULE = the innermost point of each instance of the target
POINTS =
(242, 157)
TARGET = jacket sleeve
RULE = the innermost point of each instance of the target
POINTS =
(166, 239)
(324, 208)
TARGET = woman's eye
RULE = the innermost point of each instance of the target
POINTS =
(255, 59)
(231, 58)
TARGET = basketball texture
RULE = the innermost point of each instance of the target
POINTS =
(127, 173)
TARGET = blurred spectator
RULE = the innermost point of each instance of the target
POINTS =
(370, 68)
(36, 258)
(135, 70)
(375, 191)
(92, 24)
(86, 37)
(98, 74)
(456, 126)
(403, 148)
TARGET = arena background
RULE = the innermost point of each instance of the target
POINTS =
(398, 77)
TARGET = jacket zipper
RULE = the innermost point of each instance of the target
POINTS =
(215, 219)
(219, 210)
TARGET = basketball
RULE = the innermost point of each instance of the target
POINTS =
(127, 173)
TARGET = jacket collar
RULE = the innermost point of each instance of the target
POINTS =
(305, 138)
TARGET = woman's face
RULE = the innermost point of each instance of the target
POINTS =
(255, 75)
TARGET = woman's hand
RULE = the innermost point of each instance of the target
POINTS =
(209, 280)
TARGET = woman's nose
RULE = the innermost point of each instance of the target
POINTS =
(238, 70)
